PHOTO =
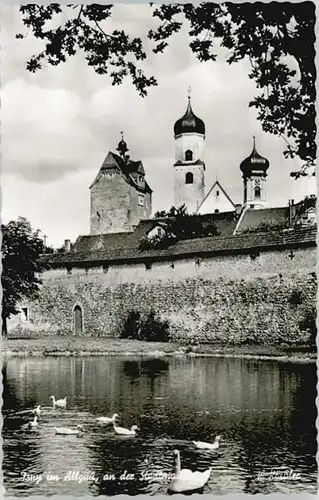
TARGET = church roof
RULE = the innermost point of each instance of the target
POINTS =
(254, 162)
(208, 195)
(126, 168)
(252, 218)
(189, 123)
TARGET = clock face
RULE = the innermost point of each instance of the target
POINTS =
(257, 182)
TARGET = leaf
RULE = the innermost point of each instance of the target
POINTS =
(277, 38)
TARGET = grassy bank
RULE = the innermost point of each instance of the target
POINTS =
(76, 346)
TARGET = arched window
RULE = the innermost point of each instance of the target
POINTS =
(188, 155)
(257, 192)
(189, 178)
(78, 320)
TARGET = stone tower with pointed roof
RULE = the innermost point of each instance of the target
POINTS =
(254, 169)
(189, 184)
(120, 195)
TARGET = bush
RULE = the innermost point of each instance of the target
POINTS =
(131, 326)
(156, 242)
(295, 298)
(151, 328)
(308, 323)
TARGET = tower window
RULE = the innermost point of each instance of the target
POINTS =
(188, 155)
(257, 192)
(217, 193)
(141, 201)
(189, 178)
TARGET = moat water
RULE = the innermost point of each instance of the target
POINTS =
(265, 412)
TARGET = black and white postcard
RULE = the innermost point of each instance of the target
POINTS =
(159, 248)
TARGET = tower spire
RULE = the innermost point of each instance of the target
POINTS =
(122, 146)
(254, 143)
(189, 92)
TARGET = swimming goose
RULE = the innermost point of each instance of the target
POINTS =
(58, 402)
(208, 446)
(30, 425)
(186, 480)
(67, 431)
(107, 420)
(125, 432)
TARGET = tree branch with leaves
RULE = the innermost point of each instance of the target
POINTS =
(276, 38)
(115, 54)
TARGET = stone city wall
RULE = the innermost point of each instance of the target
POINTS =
(263, 297)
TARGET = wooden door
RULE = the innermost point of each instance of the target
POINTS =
(78, 320)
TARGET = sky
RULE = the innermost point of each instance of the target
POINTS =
(59, 124)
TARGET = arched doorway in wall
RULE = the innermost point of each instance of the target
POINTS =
(77, 320)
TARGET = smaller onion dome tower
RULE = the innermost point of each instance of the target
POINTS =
(189, 166)
(254, 169)
(123, 149)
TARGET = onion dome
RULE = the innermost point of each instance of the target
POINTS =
(189, 123)
(122, 146)
(254, 162)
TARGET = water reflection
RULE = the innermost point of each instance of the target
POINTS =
(265, 412)
(150, 367)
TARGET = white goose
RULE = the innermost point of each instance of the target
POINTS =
(31, 425)
(208, 446)
(67, 431)
(37, 410)
(58, 402)
(125, 432)
(186, 480)
(108, 420)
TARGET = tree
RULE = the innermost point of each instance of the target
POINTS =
(277, 38)
(184, 226)
(172, 212)
(21, 248)
(179, 225)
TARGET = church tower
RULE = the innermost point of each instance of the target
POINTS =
(254, 169)
(189, 184)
